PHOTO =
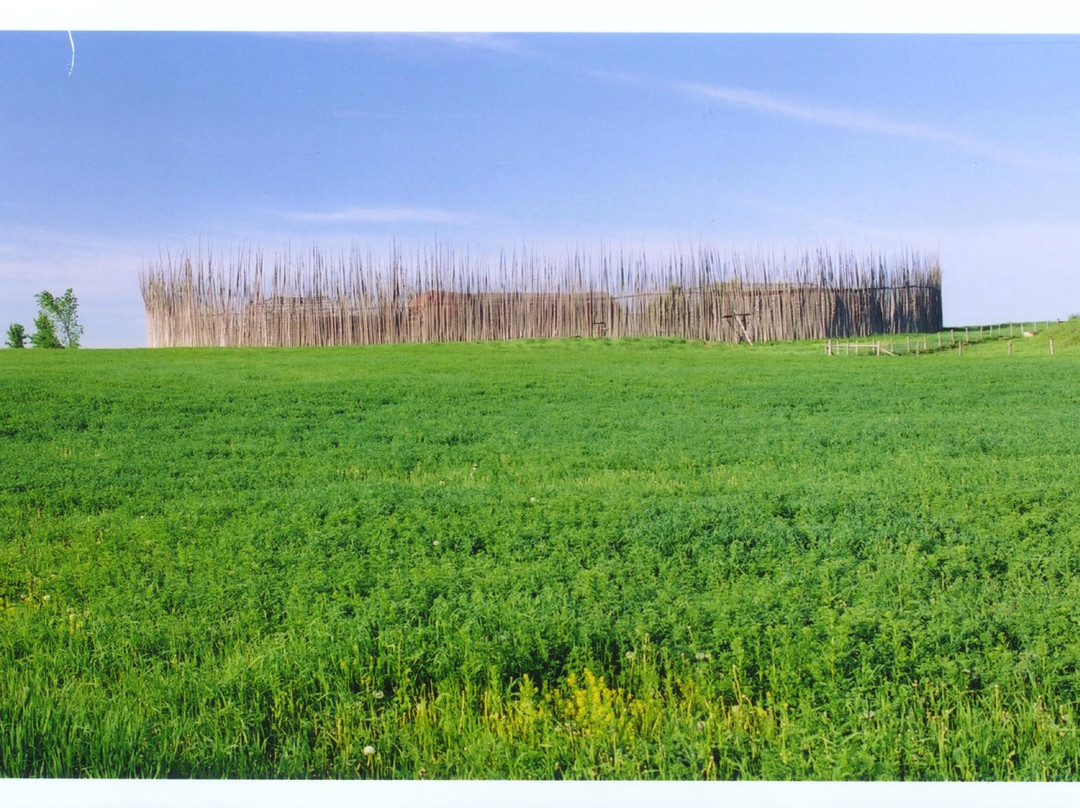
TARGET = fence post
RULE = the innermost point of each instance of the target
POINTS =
(960, 348)
(1051, 347)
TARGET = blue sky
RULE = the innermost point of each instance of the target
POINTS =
(964, 145)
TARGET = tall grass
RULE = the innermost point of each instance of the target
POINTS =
(315, 299)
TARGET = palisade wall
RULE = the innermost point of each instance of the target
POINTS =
(352, 299)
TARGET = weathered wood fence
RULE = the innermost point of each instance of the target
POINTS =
(316, 299)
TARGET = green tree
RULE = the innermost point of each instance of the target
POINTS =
(61, 312)
(16, 336)
(44, 335)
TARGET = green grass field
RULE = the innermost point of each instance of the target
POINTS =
(581, 559)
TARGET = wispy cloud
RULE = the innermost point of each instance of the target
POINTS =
(854, 120)
(497, 43)
(816, 113)
(385, 215)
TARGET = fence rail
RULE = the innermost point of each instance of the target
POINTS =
(944, 340)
